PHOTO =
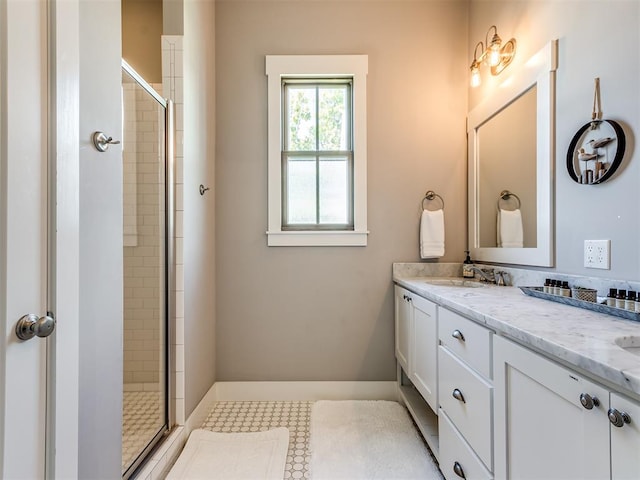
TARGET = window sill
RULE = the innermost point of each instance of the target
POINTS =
(317, 239)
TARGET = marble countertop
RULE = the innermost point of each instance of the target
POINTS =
(574, 336)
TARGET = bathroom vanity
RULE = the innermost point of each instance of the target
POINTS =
(503, 385)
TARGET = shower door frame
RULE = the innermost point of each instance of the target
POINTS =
(169, 261)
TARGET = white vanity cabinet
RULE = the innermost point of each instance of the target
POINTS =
(417, 342)
(490, 407)
(551, 422)
(465, 416)
(625, 438)
(423, 350)
(402, 326)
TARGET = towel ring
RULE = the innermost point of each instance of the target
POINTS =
(431, 195)
(506, 195)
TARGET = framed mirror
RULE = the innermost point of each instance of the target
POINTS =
(511, 150)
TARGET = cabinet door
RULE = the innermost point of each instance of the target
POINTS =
(541, 429)
(403, 326)
(625, 440)
(424, 350)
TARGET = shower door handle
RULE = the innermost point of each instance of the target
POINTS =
(101, 141)
(31, 325)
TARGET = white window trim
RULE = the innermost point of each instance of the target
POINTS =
(356, 66)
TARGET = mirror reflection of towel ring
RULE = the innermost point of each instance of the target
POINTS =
(429, 196)
(506, 195)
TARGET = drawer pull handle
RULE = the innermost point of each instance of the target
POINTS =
(618, 418)
(457, 394)
(588, 401)
(457, 469)
(458, 334)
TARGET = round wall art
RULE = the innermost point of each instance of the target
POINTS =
(596, 152)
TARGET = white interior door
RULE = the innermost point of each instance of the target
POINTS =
(101, 242)
(23, 240)
(60, 238)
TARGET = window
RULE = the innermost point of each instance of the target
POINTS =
(317, 156)
(317, 150)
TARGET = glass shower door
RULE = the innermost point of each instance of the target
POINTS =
(146, 266)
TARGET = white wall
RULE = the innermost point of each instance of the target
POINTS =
(597, 39)
(326, 313)
(197, 226)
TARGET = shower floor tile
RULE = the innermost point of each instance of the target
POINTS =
(141, 420)
(260, 416)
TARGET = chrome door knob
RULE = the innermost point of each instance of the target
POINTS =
(31, 325)
(588, 401)
(618, 418)
(457, 469)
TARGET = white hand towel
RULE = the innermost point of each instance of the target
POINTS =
(432, 234)
(510, 228)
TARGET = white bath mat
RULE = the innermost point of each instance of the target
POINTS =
(233, 456)
(367, 440)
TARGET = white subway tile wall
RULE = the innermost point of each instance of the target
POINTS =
(172, 83)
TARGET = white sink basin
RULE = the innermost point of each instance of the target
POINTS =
(630, 344)
(455, 282)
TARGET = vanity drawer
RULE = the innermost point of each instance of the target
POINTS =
(468, 340)
(455, 454)
(466, 398)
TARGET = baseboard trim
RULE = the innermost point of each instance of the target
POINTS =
(305, 391)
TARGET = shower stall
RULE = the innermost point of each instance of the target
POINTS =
(148, 266)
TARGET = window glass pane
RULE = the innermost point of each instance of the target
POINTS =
(334, 190)
(301, 118)
(333, 117)
(301, 190)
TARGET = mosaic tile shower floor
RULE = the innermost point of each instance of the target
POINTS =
(141, 420)
(261, 416)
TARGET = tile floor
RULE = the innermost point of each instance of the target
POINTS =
(142, 418)
(261, 416)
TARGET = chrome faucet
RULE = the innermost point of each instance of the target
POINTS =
(490, 275)
(486, 274)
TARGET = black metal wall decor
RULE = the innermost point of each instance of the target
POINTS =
(597, 148)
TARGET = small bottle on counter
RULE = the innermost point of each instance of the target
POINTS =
(566, 291)
(556, 287)
(467, 272)
(638, 303)
(621, 299)
(611, 298)
(547, 286)
(630, 302)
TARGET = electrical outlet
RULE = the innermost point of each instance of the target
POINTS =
(597, 254)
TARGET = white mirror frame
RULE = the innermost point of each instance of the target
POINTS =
(540, 70)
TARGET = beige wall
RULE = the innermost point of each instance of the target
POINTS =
(199, 214)
(583, 212)
(312, 313)
(141, 32)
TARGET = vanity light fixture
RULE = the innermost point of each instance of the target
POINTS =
(496, 55)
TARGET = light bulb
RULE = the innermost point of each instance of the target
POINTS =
(494, 55)
(475, 76)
